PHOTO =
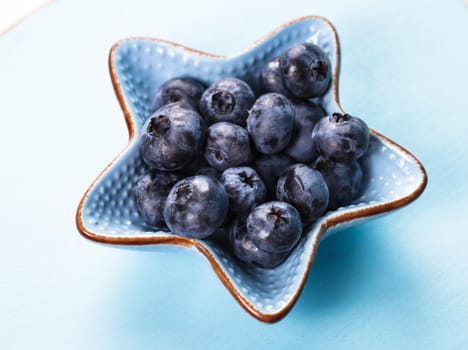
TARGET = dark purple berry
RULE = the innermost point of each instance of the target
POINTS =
(270, 123)
(341, 137)
(343, 180)
(306, 70)
(304, 188)
(150, 192)
(227, 145)
(181, 89)
(196, 207)
(274, 227)
(245, 189)
(302, 148)
(229, 100)
(245, 250)
(272, 80)
(172, 137)
(270, 167)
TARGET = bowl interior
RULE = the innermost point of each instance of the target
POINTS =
(108, 213)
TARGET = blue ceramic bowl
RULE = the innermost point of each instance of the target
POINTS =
(138, 66)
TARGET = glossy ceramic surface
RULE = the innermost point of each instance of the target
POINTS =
(106, 213)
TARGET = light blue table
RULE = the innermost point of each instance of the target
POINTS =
(399, 282)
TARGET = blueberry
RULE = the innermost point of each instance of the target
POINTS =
(306, 189)
(274, 227)
(172, 137)
(270, 167)
(271, 78)
(302, 148)
(343, 180)
(270, 122)
(229, 100)
(341, 137)
(245, 189)
(150, 192)
(196, 207)
(210, 172)
(181, 89)
(306, 70)
(245, 250)
(227, 145)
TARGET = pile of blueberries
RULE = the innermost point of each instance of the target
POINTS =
(265, 167)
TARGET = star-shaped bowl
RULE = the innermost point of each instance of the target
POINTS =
(138, 66)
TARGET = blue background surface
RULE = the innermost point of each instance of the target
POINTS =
(398, 282)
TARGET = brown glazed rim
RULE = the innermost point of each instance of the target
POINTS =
(187, 242)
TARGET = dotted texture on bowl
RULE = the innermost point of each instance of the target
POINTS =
(141, 65)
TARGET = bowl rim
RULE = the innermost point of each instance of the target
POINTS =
(339, 218)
